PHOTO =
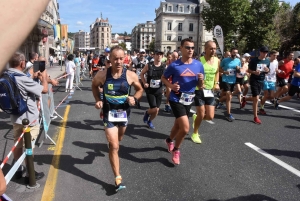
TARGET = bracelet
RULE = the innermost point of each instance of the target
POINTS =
(217, 82)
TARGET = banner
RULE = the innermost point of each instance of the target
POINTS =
(218, 33)
(64, 31)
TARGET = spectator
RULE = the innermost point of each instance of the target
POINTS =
(29, 90)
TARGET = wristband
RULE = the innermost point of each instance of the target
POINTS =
(217, 82)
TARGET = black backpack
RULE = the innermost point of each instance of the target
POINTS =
(11, 100)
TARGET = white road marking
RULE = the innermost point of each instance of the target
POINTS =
(285, 107)
(192, 111)
(274, 159)
(210, 122)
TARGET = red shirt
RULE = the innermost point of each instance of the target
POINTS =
(287, 67)
(94, 64)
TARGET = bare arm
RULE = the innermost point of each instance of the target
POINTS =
(98, 80)
(2, 183)
(133, 80)
(144, 71)
(296, 74)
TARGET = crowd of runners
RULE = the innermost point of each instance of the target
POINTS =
(185, 79)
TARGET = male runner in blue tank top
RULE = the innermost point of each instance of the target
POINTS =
(187, 73)
(116, 101)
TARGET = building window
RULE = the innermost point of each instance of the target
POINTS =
(181, 9)
(102, 29)
(169, 26)
(107, 29)
(191, 37)
(168, 38)
(179, 38)
(179, 26)
(170, 8)
(192, 10)
(191, 27)
(102, 35)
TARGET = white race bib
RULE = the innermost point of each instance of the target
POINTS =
(260, 67)
(155, 83)
(208, 93)
(90, 61)
(231, 72)
(186, 99)
(117, 116)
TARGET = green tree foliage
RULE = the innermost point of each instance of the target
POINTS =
(152, 45)
(123, 45)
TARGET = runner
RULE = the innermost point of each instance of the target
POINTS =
(127, 60)
(186, 73)
(295, 85)
(245, 87)
(116, 104)
(228, 68)
(204, 98)
(285, 68)
(95, 66)
(153, 87)
(270, 81)
(258, 67)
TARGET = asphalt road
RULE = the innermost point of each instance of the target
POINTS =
(221, 168)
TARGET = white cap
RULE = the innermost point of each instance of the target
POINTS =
(246, 55)
(142, 50)
(238, 56)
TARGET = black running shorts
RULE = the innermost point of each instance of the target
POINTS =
(154, 100)
(293, 89)
(201, 100)
(281, 82)
(228, 87)
(256, 87)
(179, 109)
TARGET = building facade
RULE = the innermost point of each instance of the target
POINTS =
(42, 37)
(177, 20)
(142, 35)
(100, 34)
(82, 40)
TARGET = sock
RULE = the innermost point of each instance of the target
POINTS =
(175, 149)
(169, 140)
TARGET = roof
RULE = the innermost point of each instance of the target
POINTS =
(182, 1)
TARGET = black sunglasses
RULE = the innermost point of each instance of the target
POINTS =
(142, 52)
(189, 48)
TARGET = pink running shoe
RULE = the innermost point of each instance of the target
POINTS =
(170, 146)
(176, 157)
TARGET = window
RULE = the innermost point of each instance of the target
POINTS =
(168, 38)
(192, 9)
(170, 8)
(107, 29)
(102, 35)
(169, 48)
(191, 27)
(191, 37)
(179, 38)
(102, 29)
(179, 26)
(169, 26)
(181, 9)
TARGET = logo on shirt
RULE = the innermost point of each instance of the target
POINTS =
(187, 73)
(110, 87)
(3, 95)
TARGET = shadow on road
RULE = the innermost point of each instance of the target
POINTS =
(276, 152)
(254, 197)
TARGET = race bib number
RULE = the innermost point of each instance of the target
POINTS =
(208, 93)
(117, 116)
(260, 67)
(242, 74)
(90, 61)
(186, 99)
(155, 83)
(271, 78)
(231, 72)
(95, 65)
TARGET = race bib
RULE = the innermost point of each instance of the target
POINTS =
(155, 83)
(95, 65)
(208, 93)
(260, 67)
(117, 116)
(90, 61)
(271, 78)
(231, 72)
(242, 74)
(186, 99)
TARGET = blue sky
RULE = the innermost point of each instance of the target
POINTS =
(123, 15)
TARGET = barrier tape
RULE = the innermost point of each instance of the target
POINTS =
(63, 76)
(62, 101)
(13, 148)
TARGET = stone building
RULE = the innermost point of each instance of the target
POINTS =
(100, 34)
(82, 40)
(142, 35)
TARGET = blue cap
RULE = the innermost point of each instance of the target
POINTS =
(107, 49)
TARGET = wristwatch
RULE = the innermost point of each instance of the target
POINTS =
(217, 82)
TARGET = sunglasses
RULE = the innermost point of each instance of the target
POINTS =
(142, 52)
(189, 48)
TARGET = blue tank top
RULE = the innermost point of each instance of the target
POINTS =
(116, 90)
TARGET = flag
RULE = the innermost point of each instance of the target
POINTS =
(218, 33)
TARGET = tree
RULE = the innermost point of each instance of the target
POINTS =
(229, 14)
(152, 46)
(123, 45)
(125, 33)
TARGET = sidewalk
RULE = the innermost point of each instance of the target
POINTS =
(55, 71)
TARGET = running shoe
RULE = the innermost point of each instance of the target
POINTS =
(169, 108)
(146, 117)
(194, 118)
(118, 184)
(257, 120)
(229, 117)
(276, 104)
(196, 138)
(262, 111)
(150, 125)
(243, 102)
(272, 101)
(176, 157)
(170, 146)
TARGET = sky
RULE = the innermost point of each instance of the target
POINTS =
(123, 15)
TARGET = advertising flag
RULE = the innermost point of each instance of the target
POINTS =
(218, 33)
